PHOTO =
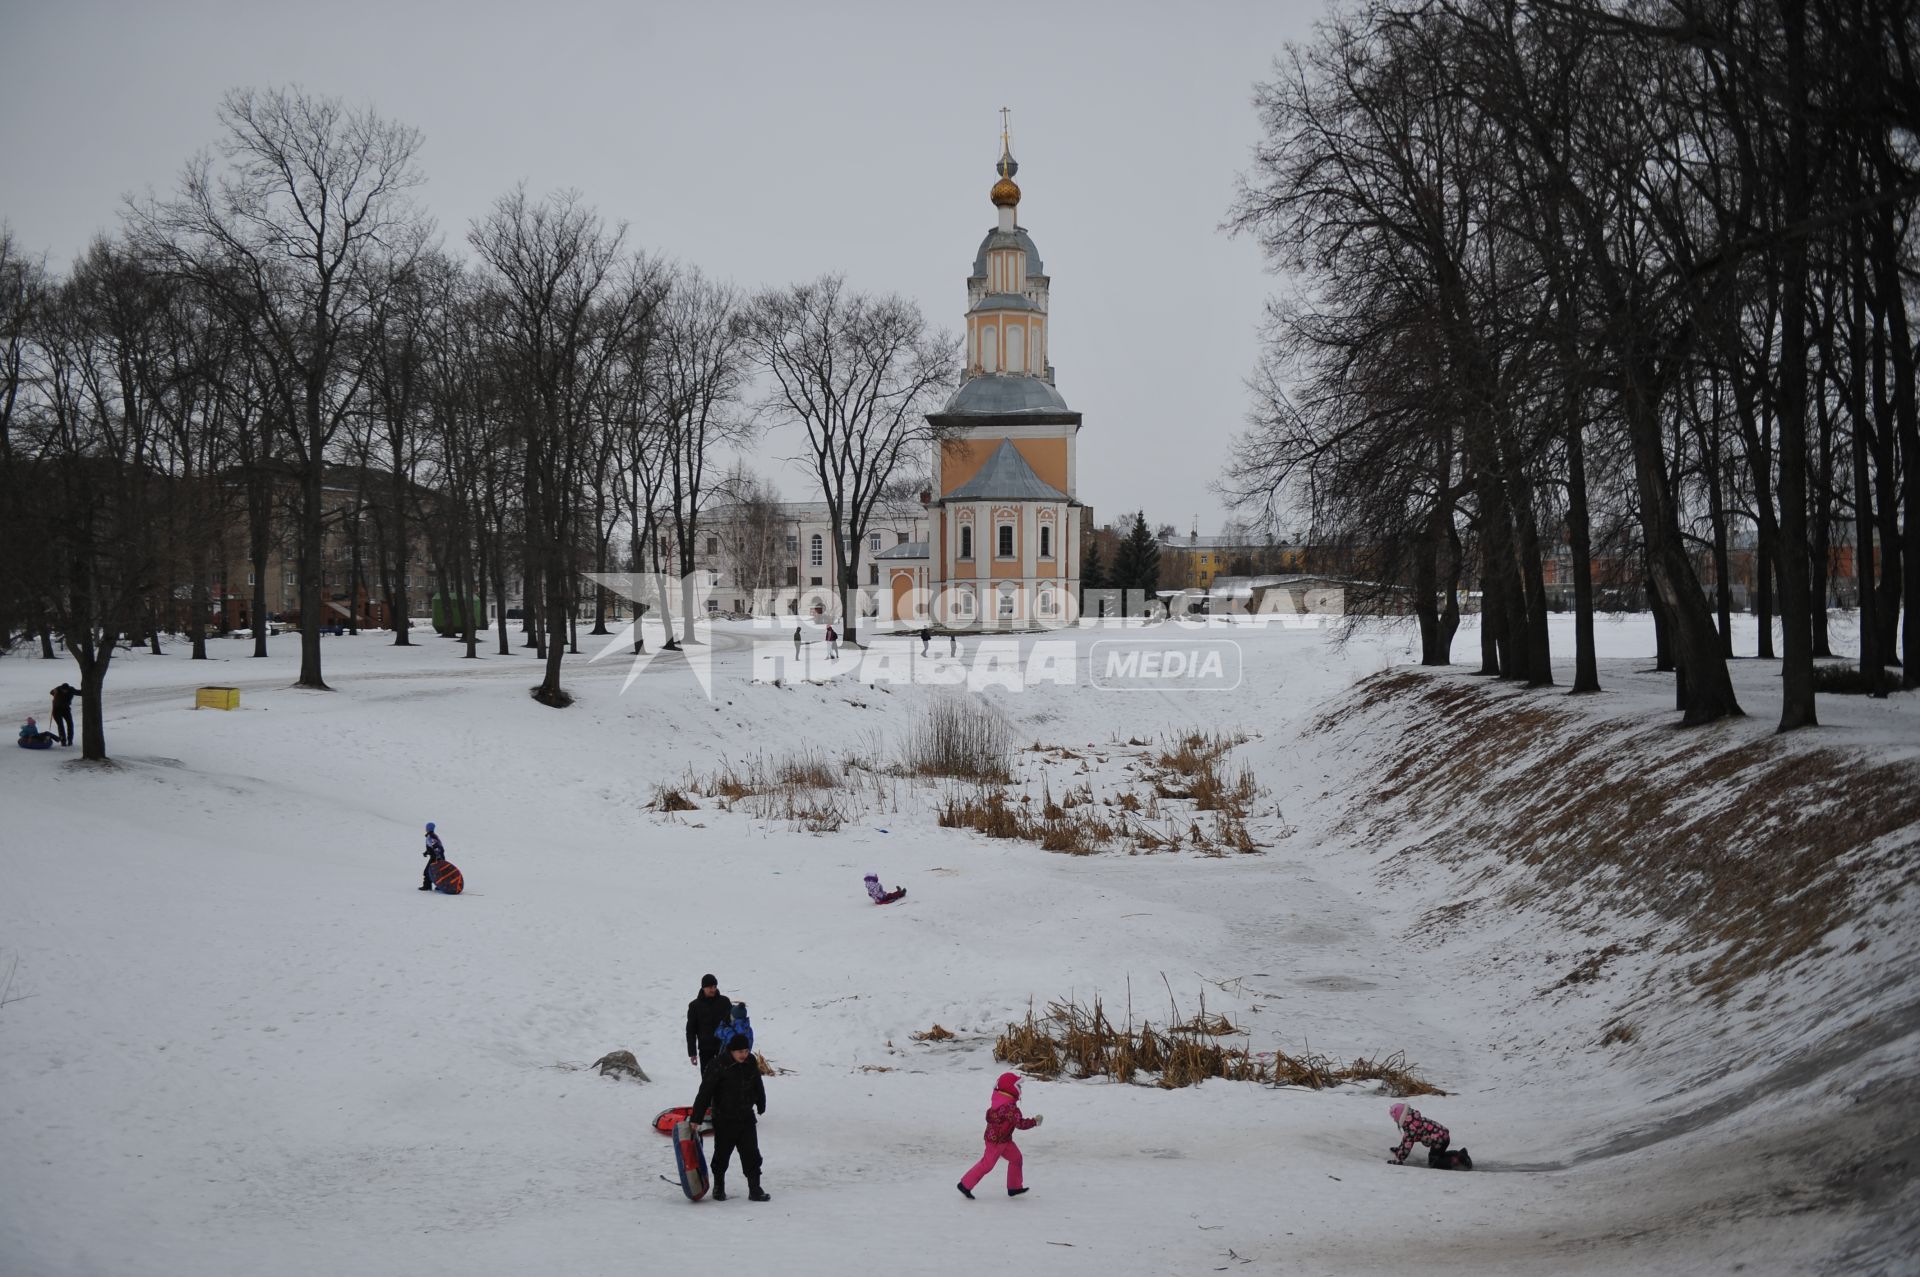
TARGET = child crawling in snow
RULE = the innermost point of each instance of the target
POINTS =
(1003, 1119)
(881, 896)
(1415, 1129)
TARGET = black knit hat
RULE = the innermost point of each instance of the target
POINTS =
(709, 981)
(738, 1042)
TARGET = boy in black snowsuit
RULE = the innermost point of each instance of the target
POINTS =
(733, 1088)
(436, 853)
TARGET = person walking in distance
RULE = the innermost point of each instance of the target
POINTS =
(833, 643)
(733, 1089)
(926, 639)
(708, 1011)
(796, 642)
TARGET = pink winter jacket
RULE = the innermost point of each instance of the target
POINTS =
(1003, 1118)
(1415, 1129)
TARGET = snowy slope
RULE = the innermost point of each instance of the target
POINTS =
(244, 1043)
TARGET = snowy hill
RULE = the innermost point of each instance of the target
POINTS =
(240, 1041)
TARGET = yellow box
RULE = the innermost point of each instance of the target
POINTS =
(217, 698)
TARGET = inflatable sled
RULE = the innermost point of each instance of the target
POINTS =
(666, 1119)
(37, 742)
(447, 878)
(690, 1158)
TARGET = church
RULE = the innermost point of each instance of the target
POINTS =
(1003, 548)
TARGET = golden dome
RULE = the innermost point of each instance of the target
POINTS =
(1005, 193)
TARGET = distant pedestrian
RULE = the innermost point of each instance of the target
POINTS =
(1003, 1119)
(734, 1090)
(833, 643)
(953, 645)
(63, 711)
(926, 640)
(796, 642)
(436, 853)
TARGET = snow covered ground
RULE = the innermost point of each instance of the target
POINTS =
(239, 1041)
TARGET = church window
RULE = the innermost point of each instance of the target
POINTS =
(1005, 549)
(873, 574)
(966, 541)
(1016, 348)
(873, 542)
(1006, 601)
(816, 551)
(990, 347)
(1046, 540)
(793, 544)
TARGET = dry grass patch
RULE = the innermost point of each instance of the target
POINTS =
(961, 739)
(1754, 844)
(1082, 1041)
(667, 798)
(935, 1034)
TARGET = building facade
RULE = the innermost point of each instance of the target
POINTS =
(1003, 550)
(781, 558)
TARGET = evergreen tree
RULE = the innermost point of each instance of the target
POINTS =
(1136, 566)
(1093, 573)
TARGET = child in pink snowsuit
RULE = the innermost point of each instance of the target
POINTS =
(1003, 1119)
(1416, 1128)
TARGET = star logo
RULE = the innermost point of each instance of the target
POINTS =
(659, 595)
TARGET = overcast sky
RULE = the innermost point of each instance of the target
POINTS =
(766, 143)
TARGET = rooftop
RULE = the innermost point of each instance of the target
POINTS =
(1006, 477)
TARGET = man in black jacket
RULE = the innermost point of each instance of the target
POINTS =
(708, 1011)
(733, 1089)
(63, 711)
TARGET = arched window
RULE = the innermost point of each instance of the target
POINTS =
(966, 541)
(816, 551)
(1007, 594)
(1046, 540)
(1005, 548)
(1016, 348)
(989, 348)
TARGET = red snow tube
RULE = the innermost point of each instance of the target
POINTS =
(667, 1119)
(446, 878)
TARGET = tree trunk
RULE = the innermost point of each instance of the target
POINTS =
(550, 692)
(1491, 610)
(1796, 671)
(1586, 665)
(1662, 630)
(93, 678)
(310, 575)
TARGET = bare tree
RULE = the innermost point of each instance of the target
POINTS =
(750, 526)
(302, 227)
(702, 367)
(857, 373)
(569, 304)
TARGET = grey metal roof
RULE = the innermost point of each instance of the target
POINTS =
(905, 550)
(1004, 301)
(993, 393)
(1006, 477)
(1015, 238)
